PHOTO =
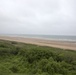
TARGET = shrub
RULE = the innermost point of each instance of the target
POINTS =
(38, 60)
(14, 69)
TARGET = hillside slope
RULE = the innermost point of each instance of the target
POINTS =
(27, 59)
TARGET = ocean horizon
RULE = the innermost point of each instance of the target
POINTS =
(47, 37)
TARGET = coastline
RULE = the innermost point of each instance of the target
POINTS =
(42, 42)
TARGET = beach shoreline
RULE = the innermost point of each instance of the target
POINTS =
(42, 42)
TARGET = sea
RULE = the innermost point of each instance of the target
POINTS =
(71, 38)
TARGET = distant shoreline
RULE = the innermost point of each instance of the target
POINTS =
(66, 38)
(42, 42)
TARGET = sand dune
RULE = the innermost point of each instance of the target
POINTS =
(51, 43)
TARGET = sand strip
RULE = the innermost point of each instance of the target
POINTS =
(51, 43)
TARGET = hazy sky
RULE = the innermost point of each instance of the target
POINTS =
(38, 17)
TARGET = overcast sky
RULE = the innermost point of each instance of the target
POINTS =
(55, 17)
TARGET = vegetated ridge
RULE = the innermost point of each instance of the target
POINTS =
(27, 59)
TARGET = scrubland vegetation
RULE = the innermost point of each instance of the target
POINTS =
(26, 59)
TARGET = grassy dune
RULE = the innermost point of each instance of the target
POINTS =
(27, 59)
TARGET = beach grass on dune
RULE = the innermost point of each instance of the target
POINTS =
(28, 59)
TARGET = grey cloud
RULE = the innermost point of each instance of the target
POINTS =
(38, 17)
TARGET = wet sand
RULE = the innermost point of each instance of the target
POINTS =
(41, 42)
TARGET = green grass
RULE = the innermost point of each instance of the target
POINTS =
(28, 59)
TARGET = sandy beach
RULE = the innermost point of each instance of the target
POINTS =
(41, 42)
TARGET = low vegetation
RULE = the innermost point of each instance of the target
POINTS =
(26, 59)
